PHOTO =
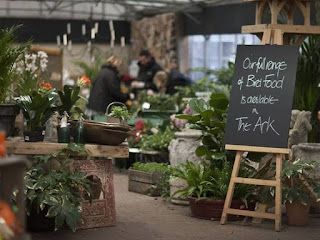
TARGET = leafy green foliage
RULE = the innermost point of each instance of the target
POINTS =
(9, 54)
(308, 79)
(159, 102)
(52, 185)
(204, 180)
(120, 112)
(157, 142)
(38, 108)
(69, 98)
(298, 184)
(150, 167)
(91, 70)
(210, 117)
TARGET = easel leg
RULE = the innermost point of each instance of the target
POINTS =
(278, 197)
(235, 172)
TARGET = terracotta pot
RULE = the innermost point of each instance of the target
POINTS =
(298, 214)
(211, 209)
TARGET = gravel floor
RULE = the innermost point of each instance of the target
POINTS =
(141, 217)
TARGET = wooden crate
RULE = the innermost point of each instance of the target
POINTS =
(143, 182)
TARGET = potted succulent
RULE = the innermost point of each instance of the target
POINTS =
(37, 108)
(207, 188)
(9, 54)
(300, 189)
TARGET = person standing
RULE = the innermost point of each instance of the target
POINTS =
(176, 78)
(148, 67)
(106, 88)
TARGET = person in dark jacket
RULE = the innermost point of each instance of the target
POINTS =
(176, 78)
(106, 87)
(148, 67)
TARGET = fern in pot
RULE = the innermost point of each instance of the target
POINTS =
(9, 55)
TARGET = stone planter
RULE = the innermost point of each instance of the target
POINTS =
(144, 182)
(181, 150)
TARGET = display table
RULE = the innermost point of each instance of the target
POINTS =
(100, 212)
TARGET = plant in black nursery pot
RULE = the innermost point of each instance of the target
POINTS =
(10, 52)
(37, 108)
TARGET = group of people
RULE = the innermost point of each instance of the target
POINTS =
(152, 77)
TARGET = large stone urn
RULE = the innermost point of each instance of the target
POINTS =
(181, 150)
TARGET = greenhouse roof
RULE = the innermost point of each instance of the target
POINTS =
(100, 9)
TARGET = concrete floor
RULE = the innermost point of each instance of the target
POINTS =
(141, 217)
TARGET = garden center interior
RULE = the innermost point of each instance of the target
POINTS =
(159, 119)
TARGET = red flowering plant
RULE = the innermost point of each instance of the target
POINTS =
(45, 87)
(141, 128)
(84, 81)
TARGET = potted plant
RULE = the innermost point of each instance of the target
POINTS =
(118, 114)
(149, 178)
(54, 192)
(207, 188)
(37, 108)
(154, 147)
(300, 189)
(9, 54)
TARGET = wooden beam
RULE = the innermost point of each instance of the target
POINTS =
(251, 213)
(285, 28)
(43, 148)
(252, 181)
(256, 149)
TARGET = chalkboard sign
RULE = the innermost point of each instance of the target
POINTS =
(261, 96)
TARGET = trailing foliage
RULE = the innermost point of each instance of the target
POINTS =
(157, 142)
(9, 54)
(52, 186)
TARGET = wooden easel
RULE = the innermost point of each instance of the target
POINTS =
(278, 34)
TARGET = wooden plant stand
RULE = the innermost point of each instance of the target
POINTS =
(100, 212)
(279, 34)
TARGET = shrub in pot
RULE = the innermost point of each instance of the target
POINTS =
(299, 190)
(54, 191)
(9, 54)
(207, 188)
(37, 108)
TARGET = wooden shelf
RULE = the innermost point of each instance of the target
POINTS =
(41, 148)
(285, 28)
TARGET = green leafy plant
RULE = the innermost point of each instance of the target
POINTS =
(120, 112)
(158, 102)
(150, 167)
(299, 186)
(38, 108)
(206, 181)
(52, 186)
(157, 142)
(308, 79)
(10, 52)
(91, 70)
(71, 101)
(163, 186)
(210, 118)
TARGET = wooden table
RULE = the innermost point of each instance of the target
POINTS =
(101, 212)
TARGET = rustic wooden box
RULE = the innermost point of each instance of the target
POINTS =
(100, 212)
(143, 182)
